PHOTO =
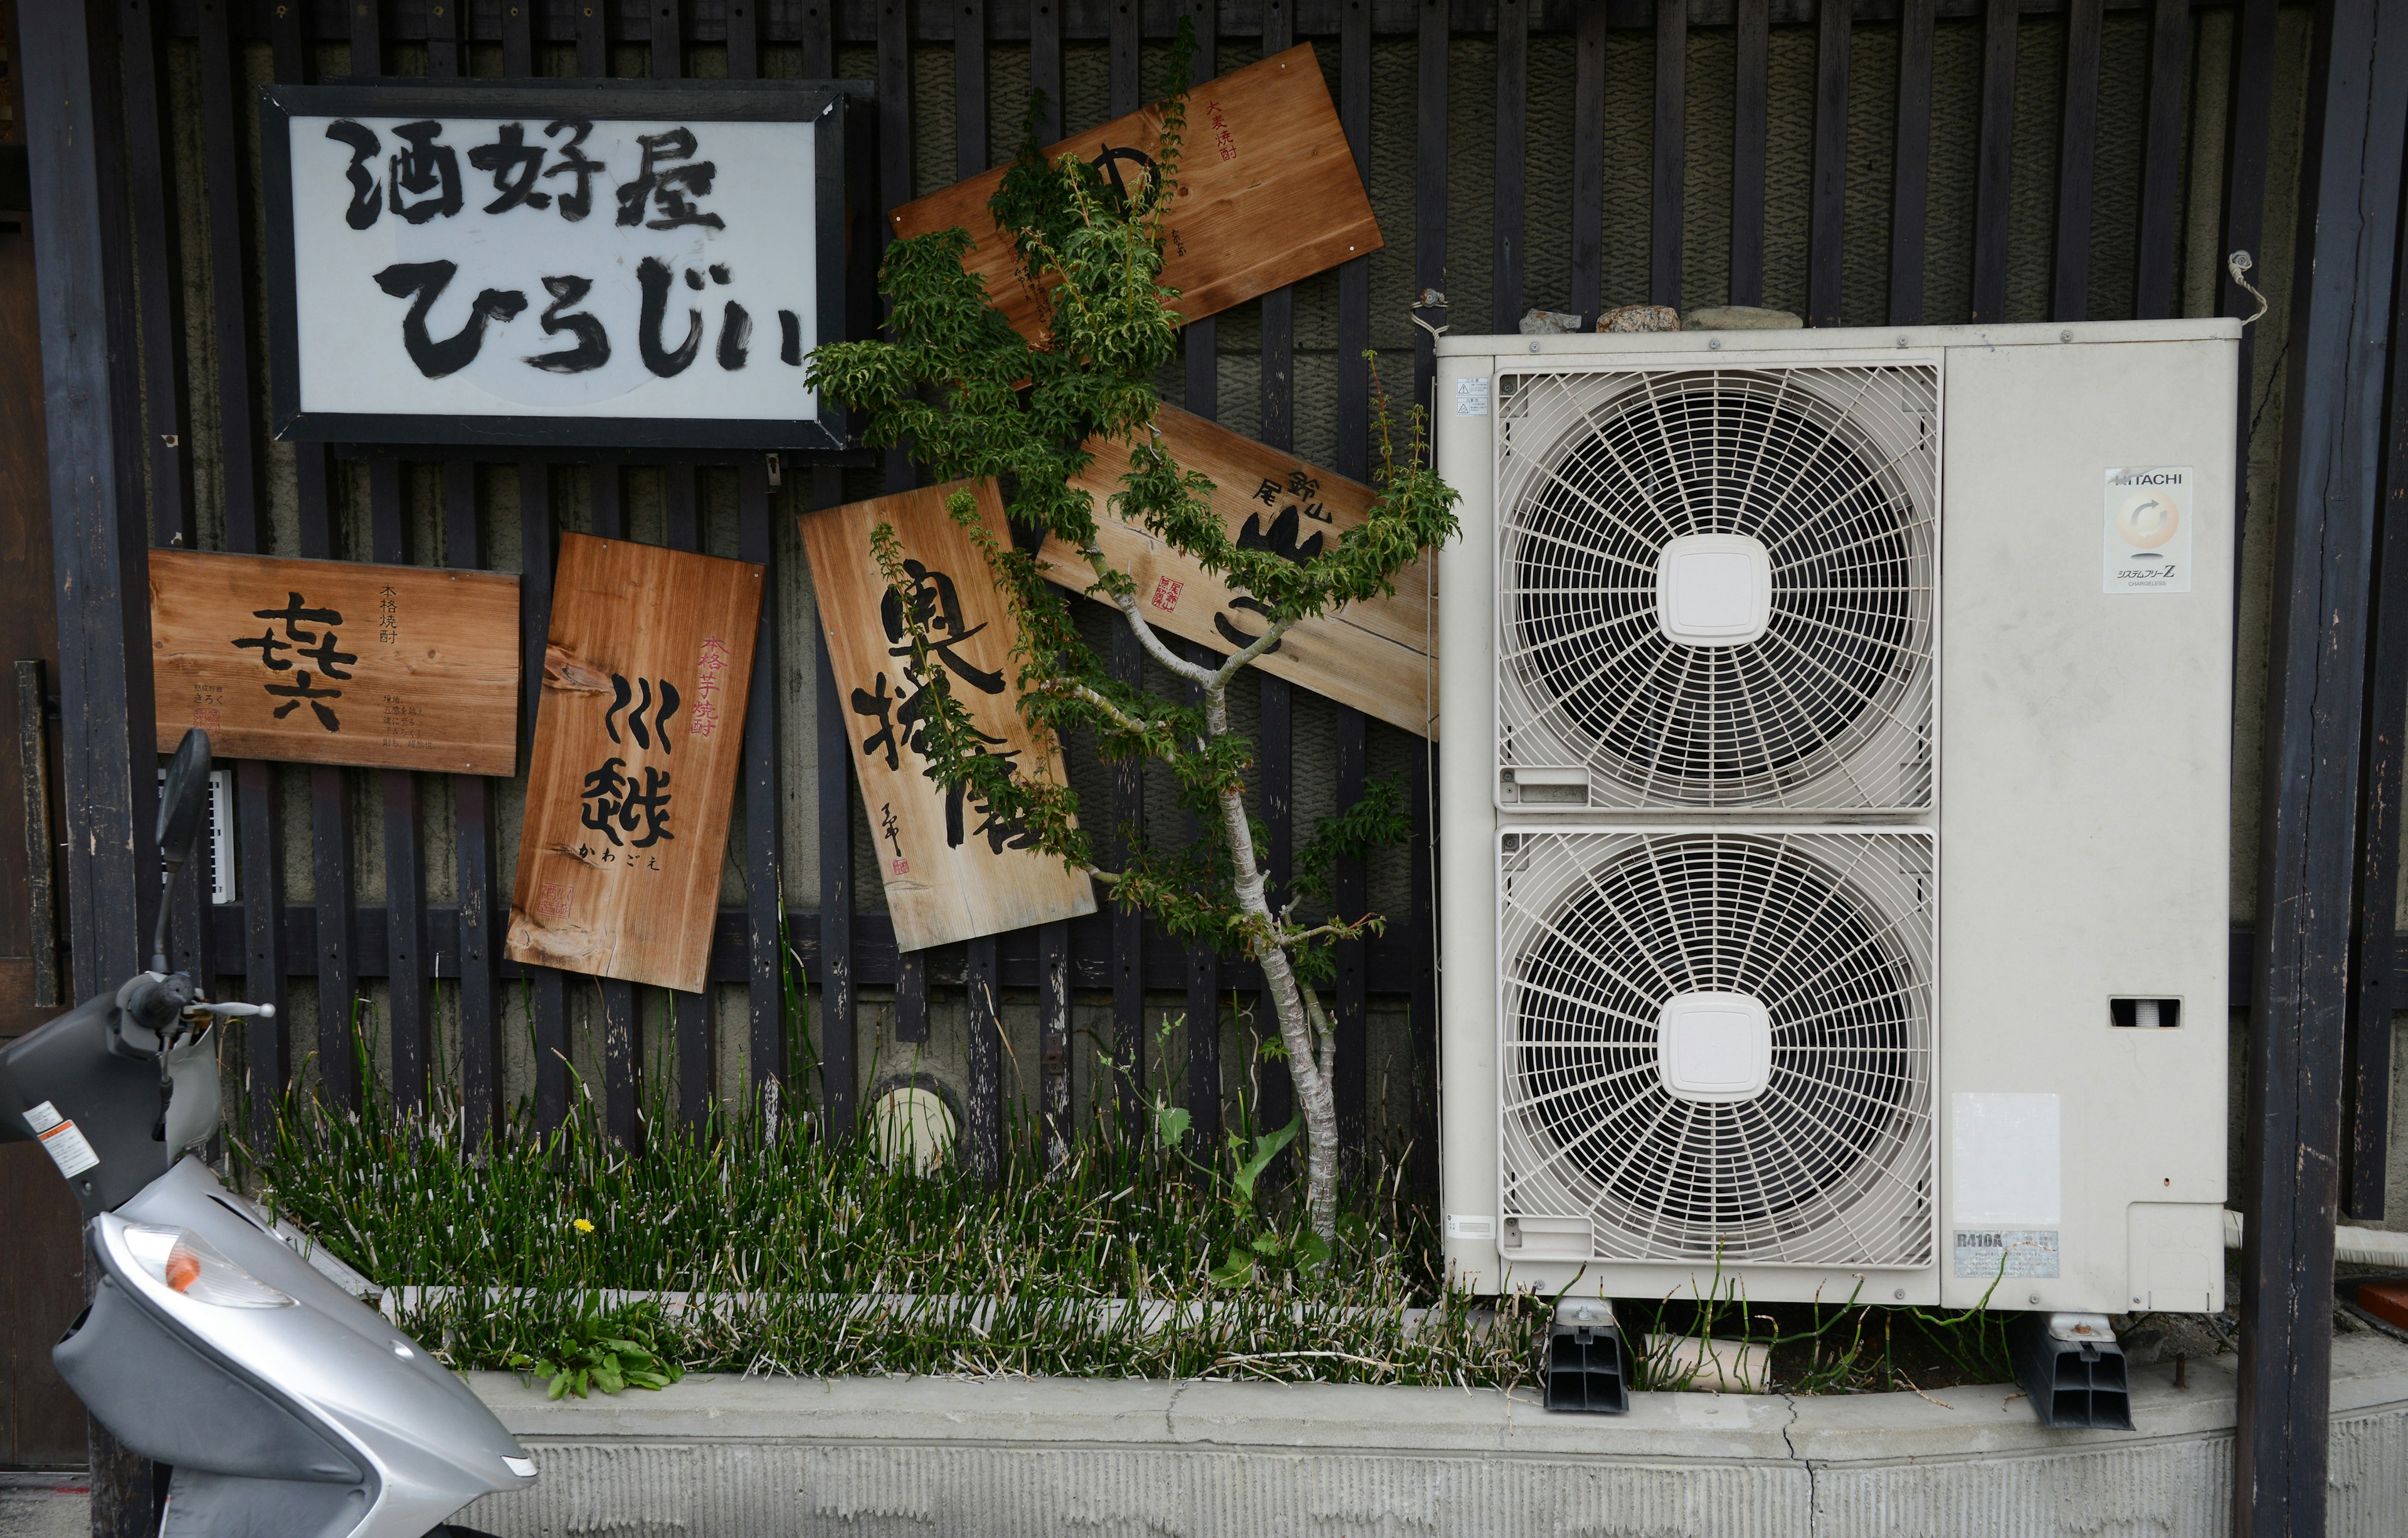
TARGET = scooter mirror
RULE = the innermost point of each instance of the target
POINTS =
(185, 798)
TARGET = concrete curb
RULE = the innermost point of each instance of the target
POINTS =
(750, 1458)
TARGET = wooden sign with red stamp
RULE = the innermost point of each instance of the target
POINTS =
(335, 661)
(1376, 656)
(952, 869)
(1268, 194)
(638, 744)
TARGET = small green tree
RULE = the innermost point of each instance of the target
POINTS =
(974, 399)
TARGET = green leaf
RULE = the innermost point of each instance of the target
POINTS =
(1269, 1245)
(1311, 1251)
(1238, 1270)
(1266, 1148)
(1170, 1123)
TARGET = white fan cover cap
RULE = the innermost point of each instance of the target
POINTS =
(1715, 1047)
(1713, 589)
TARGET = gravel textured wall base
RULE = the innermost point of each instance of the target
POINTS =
(735, 1457)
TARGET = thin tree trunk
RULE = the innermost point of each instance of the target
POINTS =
(1309, 1047)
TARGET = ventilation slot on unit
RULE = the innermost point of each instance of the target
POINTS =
(1718, 1048)
(1716, 585)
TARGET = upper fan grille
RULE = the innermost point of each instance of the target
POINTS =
(1832, 473)
(1828, 1162)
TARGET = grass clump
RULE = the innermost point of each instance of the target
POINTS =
(787, 1252)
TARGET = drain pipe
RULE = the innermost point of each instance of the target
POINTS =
(2359, 1246)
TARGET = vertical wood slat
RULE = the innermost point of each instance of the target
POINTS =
(1353, 459)
(446, 34)
(1664, 228)
(1125, 44)
(2324, 536)
(894, 188)
(969, 88)
(668, 40)
(166, 421)
(1122, 45)
(1200, 339)
(2161, 160)
(409, 1007)
(330, 833)
(1994, 160)
(1127, 925)
(1054, 940)
(1276, 744)
(1053, 1040)
(1045, 67)
(696, 1044)
(764, 942)
(622, 1047)
(2366, 1073)
(2077, 143)
(983, 1112)
(1422, 1023)
(1350, 1083)
(268, 1050)
(593, 23)
(1829, 219)
(1910, 196)
(839, 1066)
(1506, 256)
(1429, 181)
(367, 38)
(912, 998)
(473, 809)
(1589, 160)
(1751, 95)
(167, 439)
(547, 987)
(1204, 1077)
(2248, 119)
(744, 41)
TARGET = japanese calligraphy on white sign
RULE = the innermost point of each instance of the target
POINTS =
(489, 261)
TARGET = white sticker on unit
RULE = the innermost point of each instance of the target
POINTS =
(1465, 1226)
(2149, 519)
(68, 1148)
(2006, 1253)
(2003, 1159)
(1471, 395)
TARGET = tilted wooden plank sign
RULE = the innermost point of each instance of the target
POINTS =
(333, 661)
(1267, 194)
(638, 745)
(953, 870)
(1373, 655)
(624, 264)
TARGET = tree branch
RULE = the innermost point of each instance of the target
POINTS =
(1202, 678)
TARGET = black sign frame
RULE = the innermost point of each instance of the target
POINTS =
(838, 109)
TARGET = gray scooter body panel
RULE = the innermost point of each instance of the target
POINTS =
(112, 1100)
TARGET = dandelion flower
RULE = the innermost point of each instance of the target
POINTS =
(581, 1226)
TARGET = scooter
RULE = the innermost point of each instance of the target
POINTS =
(285, 1406)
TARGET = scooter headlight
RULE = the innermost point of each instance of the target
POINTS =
(191, 1266)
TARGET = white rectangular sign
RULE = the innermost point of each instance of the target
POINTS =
(503, 265)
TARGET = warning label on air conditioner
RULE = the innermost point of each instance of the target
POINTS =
(1471, 395)
(2148, 529)
(2021, 1252)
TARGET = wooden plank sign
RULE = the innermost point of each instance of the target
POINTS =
(1374, 655)
(334, 661)
(1268, 192)
(638, 746)
(952, 869)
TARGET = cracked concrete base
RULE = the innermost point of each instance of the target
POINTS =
(735, 1457)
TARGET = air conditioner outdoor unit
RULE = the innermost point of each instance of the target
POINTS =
(1835, 794)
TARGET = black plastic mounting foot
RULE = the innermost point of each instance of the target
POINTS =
(2073, 1371)
(1588, 1367)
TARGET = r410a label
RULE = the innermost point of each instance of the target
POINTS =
(2010, 1252)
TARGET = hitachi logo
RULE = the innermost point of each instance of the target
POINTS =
(2148, 477)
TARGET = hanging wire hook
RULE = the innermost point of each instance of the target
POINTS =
(2238, 264)
(1431, 299)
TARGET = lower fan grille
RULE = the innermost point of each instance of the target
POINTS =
(1719, 1046)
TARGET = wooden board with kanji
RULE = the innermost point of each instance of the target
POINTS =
(1374, 655)
(1269, 191)
(638, 744)
(336, 662)
(950, 868)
